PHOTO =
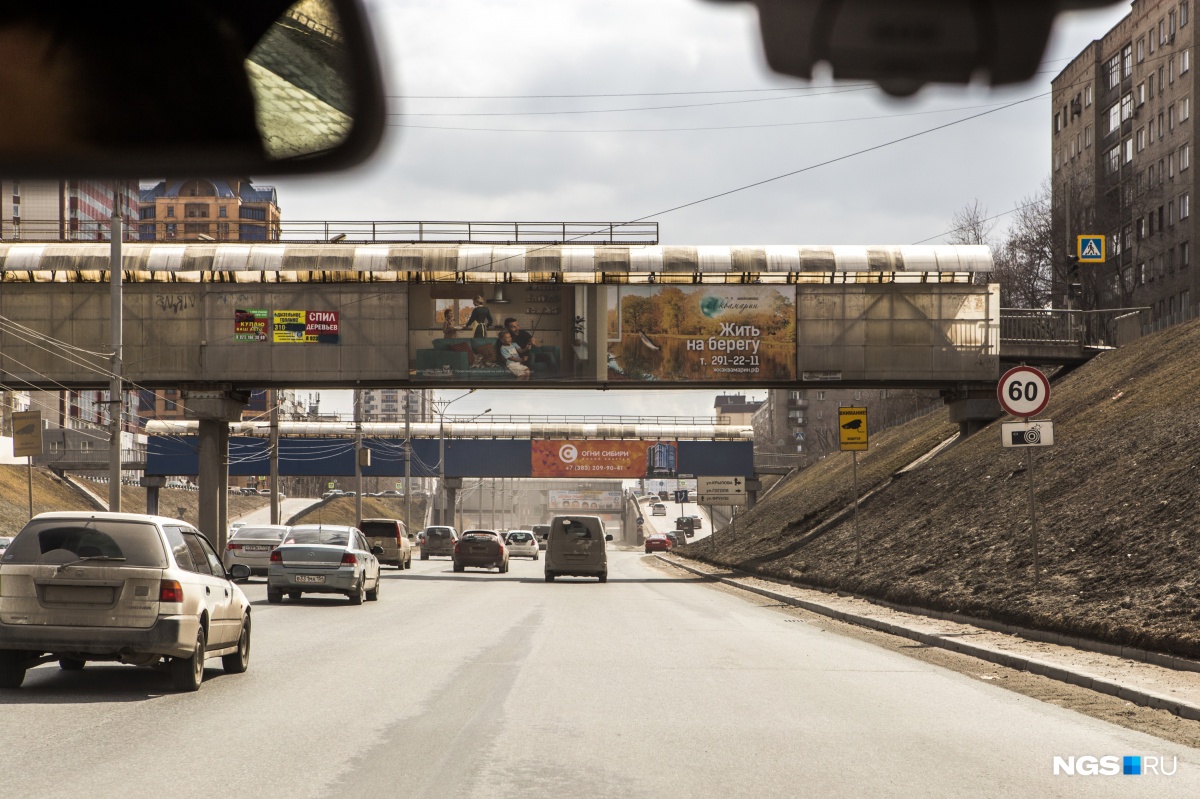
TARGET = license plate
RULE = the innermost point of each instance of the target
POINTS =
(309, 578)
(256, 548)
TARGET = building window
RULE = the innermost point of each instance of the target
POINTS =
(1087, 136)
(1184, 205)
(1141, 274)
(1057, 121)
(1160, 125)
(1128, 150)
(1141, 50)
(1150, 85)
(1127, 61)
(1171, 213)
(1113, 160)
(1185, 255)
(1185, 157)
(222, 212)
(1141, 93)
(1141, 139)
(1185, 61)
(1185, 108)
(1114, 72)
(1171, 70)
(1087, 95)
(1162, 32)
(170, 210)
(1127, 107)
(1171, 166)
(1141, 228)
(1183, 14)
(246, 212)
(1161, 80)
(1114, 118)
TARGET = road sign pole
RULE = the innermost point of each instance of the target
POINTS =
(1032, 516)
(857, 535)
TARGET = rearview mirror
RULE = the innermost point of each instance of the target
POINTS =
(185, 88)
(608, 537)
(376, 550)
(239, 571)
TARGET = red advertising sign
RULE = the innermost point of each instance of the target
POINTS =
(321, 326)
(616, 459)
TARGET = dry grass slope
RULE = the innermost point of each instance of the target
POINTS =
(1118, 500)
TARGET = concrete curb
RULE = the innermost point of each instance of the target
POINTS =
(1006, 659)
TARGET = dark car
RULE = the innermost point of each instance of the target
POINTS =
(540, 532)
(686, 525)
(658, 543)
(675, 538)
(438, 540)
(481, 549)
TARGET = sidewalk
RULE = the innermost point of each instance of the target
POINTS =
(1127, 677)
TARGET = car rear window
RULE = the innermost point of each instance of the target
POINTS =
(479, 535)
(437, 532)
(520, 537)
(67, 540)
(380, 529)
(314, 535)
(259, 532)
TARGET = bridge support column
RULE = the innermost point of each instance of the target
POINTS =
(453, 484)
(752, 488)
(152, 483)
(972, 408)
(215, 409)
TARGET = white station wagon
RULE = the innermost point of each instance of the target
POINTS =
(79, 587)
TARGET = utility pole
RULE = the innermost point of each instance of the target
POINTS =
(358, 484)
(116, 330)
(408, 456)
(275, 510)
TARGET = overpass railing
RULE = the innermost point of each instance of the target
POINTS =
(207, 229)
(1064, 327)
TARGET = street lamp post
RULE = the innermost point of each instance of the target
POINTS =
(441, 412)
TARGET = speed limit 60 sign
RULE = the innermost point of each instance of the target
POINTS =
(1023, 391)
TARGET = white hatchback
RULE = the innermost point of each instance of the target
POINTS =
(522, 544)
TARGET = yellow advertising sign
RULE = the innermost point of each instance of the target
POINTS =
(852, 429)
(289, 327)
(27, 434)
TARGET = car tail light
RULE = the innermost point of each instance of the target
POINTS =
(455, 547)
(170, 591)
(276, 556)
(348, 559)
(232, 545)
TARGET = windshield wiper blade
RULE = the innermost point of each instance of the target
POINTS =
(88, 558)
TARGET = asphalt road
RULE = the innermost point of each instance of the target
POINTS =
(481, 684)
(288, 507)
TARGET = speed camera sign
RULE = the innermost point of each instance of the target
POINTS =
(1023, 391)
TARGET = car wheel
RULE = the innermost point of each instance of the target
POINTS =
(71, 664)
(274, 596)
(424, 556)
(12, 669)
(408, 561)
(187, 673)
(604, 577)
(373, 594)
(549, 577)
(356, 596)
(237, 662)
(535, 556)
(458, 568)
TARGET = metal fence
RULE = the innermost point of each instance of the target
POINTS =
(1098, 328)
(236, 229)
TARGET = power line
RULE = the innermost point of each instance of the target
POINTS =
(616, 94)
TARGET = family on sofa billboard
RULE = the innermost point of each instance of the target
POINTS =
(492, 332)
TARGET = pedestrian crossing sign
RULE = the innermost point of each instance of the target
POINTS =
(1091, 249)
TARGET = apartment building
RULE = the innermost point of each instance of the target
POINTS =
(1122, 136)
(387, 404)
(63, 210)
(224, 209)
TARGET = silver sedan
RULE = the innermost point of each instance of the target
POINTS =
(324, 559)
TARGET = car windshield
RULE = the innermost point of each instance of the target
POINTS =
(273, 533)
(318, 535)
(60, 541)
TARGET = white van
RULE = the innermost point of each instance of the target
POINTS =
(576, 546)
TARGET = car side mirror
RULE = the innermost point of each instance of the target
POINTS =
(282, 87)
(608, 537)
(239, 571)
(376, 550)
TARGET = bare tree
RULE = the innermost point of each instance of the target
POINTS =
(1025, 257)
(970, 225)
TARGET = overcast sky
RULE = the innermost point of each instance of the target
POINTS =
(514, 164)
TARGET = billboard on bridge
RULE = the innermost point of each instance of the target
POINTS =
(584, 500)
(602, 458)
(739, 333)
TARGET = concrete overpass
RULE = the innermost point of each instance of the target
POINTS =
(215, 320)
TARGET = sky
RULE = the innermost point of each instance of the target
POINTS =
(468, 141)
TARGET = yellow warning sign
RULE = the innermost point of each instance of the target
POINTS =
(852, 429)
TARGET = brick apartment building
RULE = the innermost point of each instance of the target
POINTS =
(1121, 166)
(225, 209)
